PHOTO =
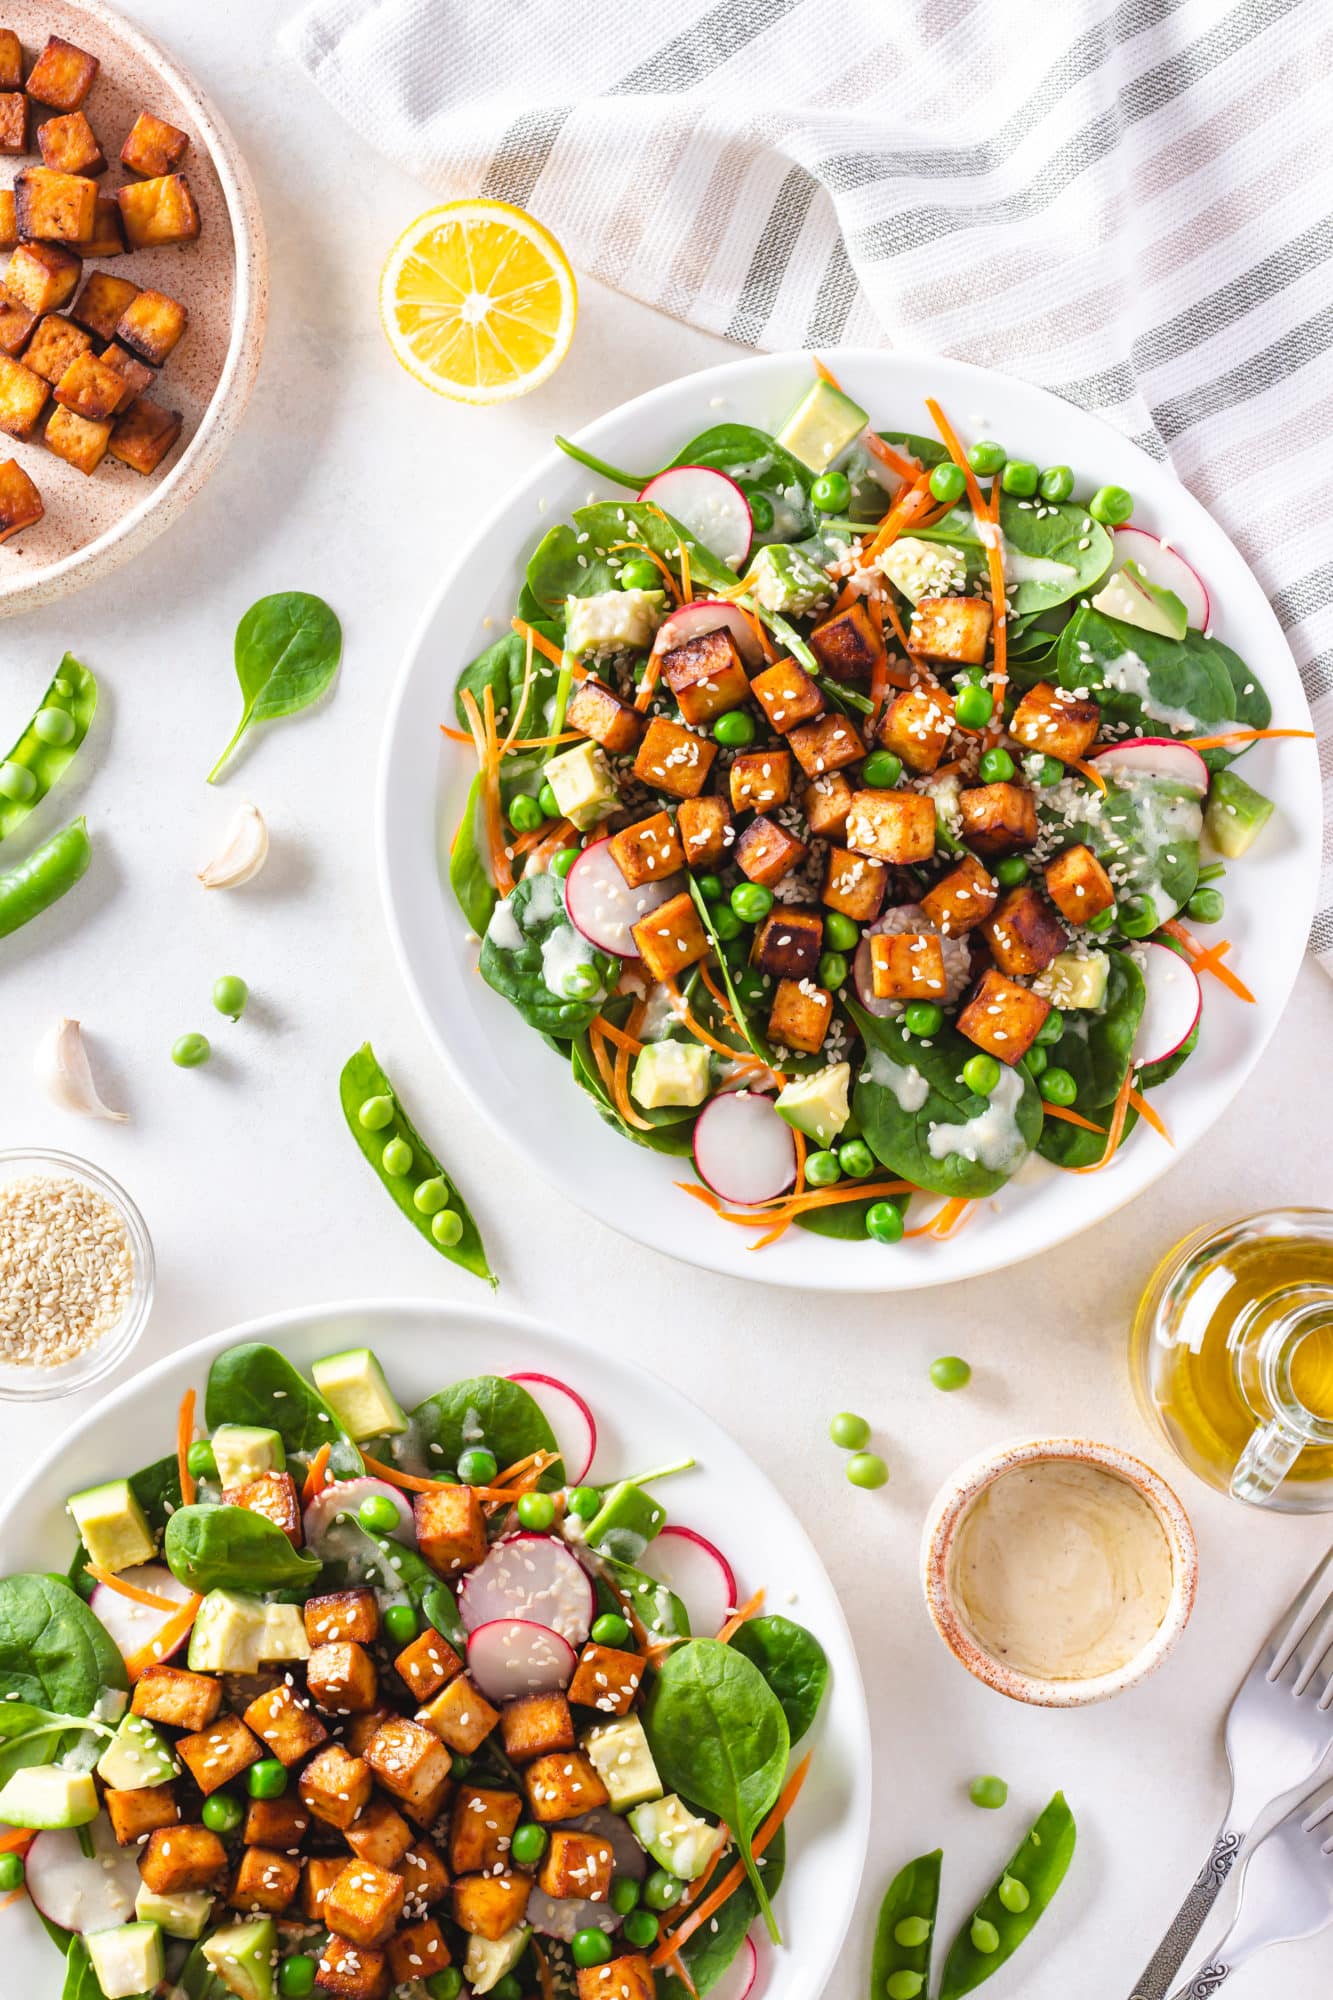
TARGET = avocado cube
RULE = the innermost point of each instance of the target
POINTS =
(182, 1916)
(489, 1960)
(242, 1956)
(626, 1522)
(1236, 814)
(354, 1386)
(246, 1451)
(136, 1757)
(113, 1525)
(817, 1105)
(127, 1960)
(786, 580)
(1075, 981)
(822, 425)
(685, 1845)
(45, 1796)
(612, 621)
(923, 569)
(669, 1073)
(618, 1751)
(235, 1633)
(584, 785)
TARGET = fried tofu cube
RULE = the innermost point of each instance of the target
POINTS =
(68, 145)
(54, 208)
(153, 147)
(536, 1725)
(481, 1827)
(42, 276)
(829, 744)
(102, 301)
(350, 1971)
(216, 1755)
(92, 390)
(342, 1679)
(16, 325)
(892, 826)
(151, 325)
(671, 937)
(265, 1880)
(62, 75)
(707, 676)
(335, 1787)
(1002, 1017)
(489, 1905)
(281, 1823)
(381, 1835)
(1023, 932)
(766, 851)
(998, 819)
(788, 941)
(108, 237)
(460, 1716)
(273, 1494)
(826, 803)
(56, 343)
(800, 1015)
(855, 884)
(960, 899)
(907, 965)
(342, 1614)
(425, 1874)
(365, 1904)
(14, 122)
(318, 1876)
(705, 831)
(580, 1865)
(20, 502)
(9, 226)
(451, 1528)
(134, 1815)
(606, 1678)
(563, 1786)
(674, 760)
(144, 434)
(760, 779)
(81, 441)
(917, 725)
(158, 211)
(1078, 885)
(629, 1978)
(177, 1698)
(788, 695)
(411, 1762)
(427, 1664)
(182, 1857)
(1055, 722)
(418, 1951)
(600, 713)
(850, 645)
(951, 628)
(285, 1723)
(648, 851)
(11, 60)
(358, 1730)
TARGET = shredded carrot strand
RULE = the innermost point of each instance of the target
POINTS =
(731, 1881)
(1208, 958)
(945, 1220)
(490, 785)
(540, 641)
(316, 1476)
(17, 1840)
(132, 1591)
(1231, 736)
(701, 1033)
(908, 510)
(1117, 1127)
(750, 1609)
(626, 1046)
(756, 625)
(844, 600)
(630, 1043)
(652, 673)
(959, 457)
(880, 448)
(1088, 771)
(986, 511)
(764, 1212)
(1149, 1116)
(552, 841)
(408, 1481)
(184, 1438)
(1068, 1117)
(166, 1641)
(455, 735)
(16, 1896)
(724, 1005)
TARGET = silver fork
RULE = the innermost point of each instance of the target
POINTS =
(1286, 1893)
(1279, 1733)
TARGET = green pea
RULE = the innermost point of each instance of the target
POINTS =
(477, 1466)
(221, 1813)
(884, 1222)
(709, 887)
(867, 1469)
(525, 815)
(726, 923)
(1111, 505)
(17, 782)
(529, 1844)
(402, 1624)
(1206, 906)
(1138, 916)
(460, 1764)
(981, 1073)
(53, 725)
(882, 770)
(735, 729)
(200, 1460)
(948, 482)
(1045, 771)
(840, 933)
(536, 1511)
(188, 1051)
(447, 1228)
(296, 1976)
(1103, 921)
(611, 1629)
(904, 1985)
(584, 1502)
(856, 1159)
(376, 1113)
(1019, 478)
(591, 1947)
(912, 1932)
(848, 1431)
(1057, 1086)
(1014, 1895)
(751, 902)
(973, 707)
(1056, 483)
(429, 1197)
(548, 802)
(561, 863)
(1011, 871)
(641, 1928)
(832, 970)
(1036, 1059)
(822, 1169)
(640, 575)
(1051, 1029)
(987, 457)
(397, 1157)
(625, 1893)
(761, 509)
(996, 767)
(581, 982)
(950, 1372)
(267, 1779)
(508, 1988)
(988, 1792)
(923, 1018)
(662, 1891)
(446, 1985)
(831, 492)
(985, 1938)
(379, 1514)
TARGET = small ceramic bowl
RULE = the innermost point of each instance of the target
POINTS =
(951, 1507)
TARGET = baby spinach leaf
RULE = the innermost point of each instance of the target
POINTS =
(562, 566)
(913, 1894)
(793, 1663)
(353, 1559)
(501, 668)
(254, 1384)
(1095, 1047)
(527, 927)
(474, 892)
(1153, 685)
(845, 1222)
(612, 521)
(1040, 1864)
(287, 652)
(758, 463)
(1070, 1146)
(719, 1738)
(657, 1609)
(1253, 709)
(712, 1950)
(1056, 535)
(1153, 1075)
(54, 1653)
(483, 1408)
(1145, 832)
(30, 1735)
(231, 1548)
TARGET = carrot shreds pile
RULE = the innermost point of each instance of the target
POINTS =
(132, 1591)
(627, 1044)
(167, 1640)
(1068, 1117)
(785, 1205)
(1116, 1129)
(908, 510)
(880, 448)
(621, 1038)
(17, 1841)
(1231, 736)
(701, 1033)
(701, 1913)
(488, 764)
(750, 1609)
(1150, 1117)
(1208, 958)
(184, 1439)
(317, 1476)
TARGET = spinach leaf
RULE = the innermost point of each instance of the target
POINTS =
(793, 1663)
(530, 924)
(287, 652)
(906, 1088)
(1040, 1864)
(1056, 536)
(712, 1950)
(1145, 832)
(657, 1609)
(501, 669)
(489, 1408)
(1070, 1146)
(913, 1893)
(231, 1548)
(30, 1735)
(758, 463)
(1152, 685)
(719, 1737)
(672, 1124)
(1253, 709)
(1095, 1047)
(353, 1559)
(561, 566)
(612, 521)
(845, 1222)
(158, 1491)
(254, 1384)
(54, 1653)
(474, 892)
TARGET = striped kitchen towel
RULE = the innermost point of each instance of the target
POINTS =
(1130, 201)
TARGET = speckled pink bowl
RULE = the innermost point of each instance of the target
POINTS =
(954, 1501)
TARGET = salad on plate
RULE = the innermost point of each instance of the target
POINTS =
(844, 803)
(342, 1699)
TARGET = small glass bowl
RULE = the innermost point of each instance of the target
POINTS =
(24, 1383)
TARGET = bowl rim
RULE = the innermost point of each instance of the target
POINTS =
(954, 1503)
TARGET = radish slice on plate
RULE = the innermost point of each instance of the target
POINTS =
(709, 506)
(604, 908)
(530, 1577)
(79, 1892)
(512, 1657)
(345, 1496)
(1165, 567)
(1174, 1003)
(133, 1626)
(743, 1150)
(709, 614)
(567, 1916)
(697, 1571)
(738, 1981)
(570, 1419)
(1154, 757)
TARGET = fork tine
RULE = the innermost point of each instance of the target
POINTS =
(1321, 1639)
(1323, 1811)
(1309, 1602)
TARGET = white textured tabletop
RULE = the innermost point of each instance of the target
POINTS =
(349, 480)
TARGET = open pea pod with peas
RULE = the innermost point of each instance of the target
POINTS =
(1008, 1912)
(49, 744)
(900, 1967)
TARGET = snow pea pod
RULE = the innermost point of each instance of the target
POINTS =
(406, 1166)
(48, 744)
(1039, 1867)
(905, 1933)
(31, 887)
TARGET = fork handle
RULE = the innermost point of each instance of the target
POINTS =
(1154, 1983)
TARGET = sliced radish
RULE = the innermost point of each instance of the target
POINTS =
(133, 1626)
(1167, 568)
(571, 1422)
(1174, 1003)
(531, 1577)
(344, 1497)
(567, 1917)
(738, 1981)
(512, 1657)
(81, 1892)
(709, 614)
(1155, 757)
(602, 905)
(743, 1150)
(697, 1571)
(709, 506)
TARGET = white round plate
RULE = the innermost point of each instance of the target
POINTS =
(512, 1076)
(424, 1345)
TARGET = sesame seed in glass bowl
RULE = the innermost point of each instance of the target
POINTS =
(76, 1274)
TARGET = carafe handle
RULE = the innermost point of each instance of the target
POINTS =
(1265, 1462)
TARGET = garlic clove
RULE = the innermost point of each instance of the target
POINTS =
(243, 852)
(63, 1071)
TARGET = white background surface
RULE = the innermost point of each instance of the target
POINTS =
(349, 480)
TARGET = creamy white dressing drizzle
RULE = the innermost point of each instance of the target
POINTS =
(992, 1138)
(903, 1080)
(563, 952)
(1128, 674)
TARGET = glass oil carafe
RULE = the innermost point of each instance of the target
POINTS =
(1232, 1357)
